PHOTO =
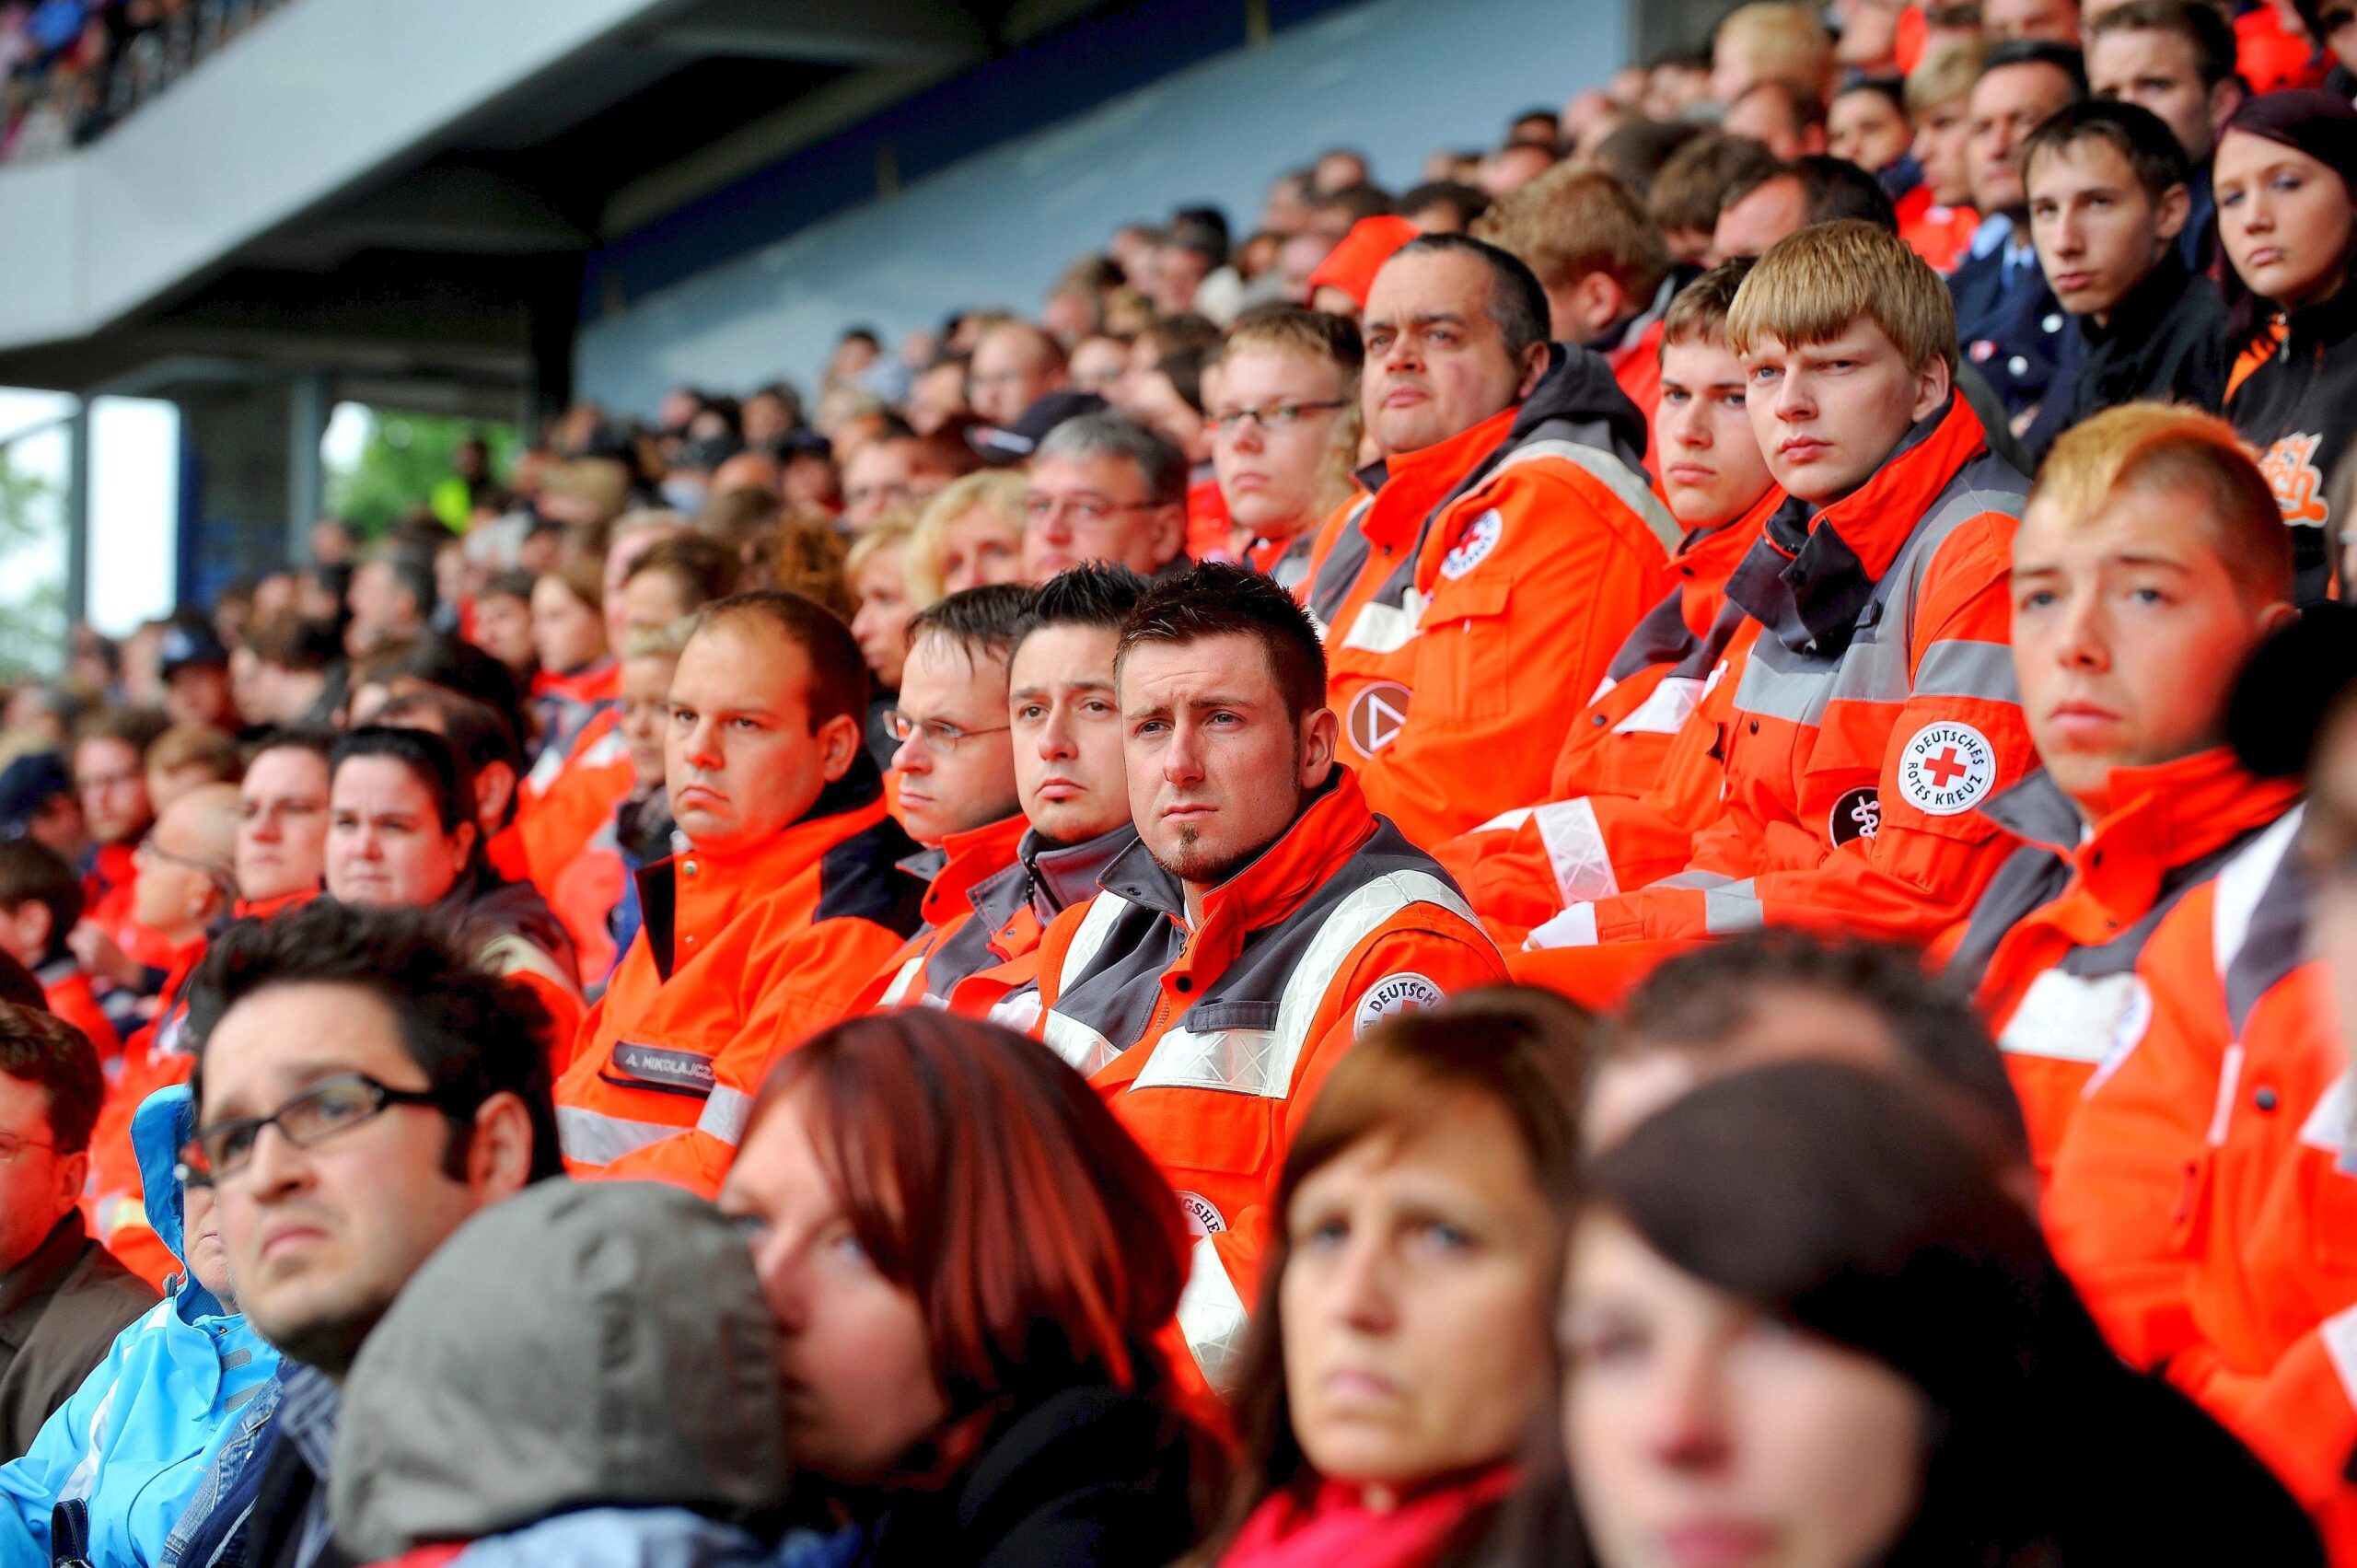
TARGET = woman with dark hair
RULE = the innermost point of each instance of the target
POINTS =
(2285, 179)
(1401, 1358)
(402, 833)
(971, 1266)
(1804, 1325)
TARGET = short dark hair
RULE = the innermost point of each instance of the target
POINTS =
(2196, 21)
(509, 585)
(1215, 598)
(474, 1034)
(838, 686)
(2134, 132)
(455, 665)
(706, 567)
(982, 622)
(1095, 593)
(1831, 188)
(412, 573)
(431, 759)
(31, 870)
(2066, 58)
(1696, 1000)
(1470, 200)
(1891, 89)
(1689, 190)
(1518, 304)
(1361, 201)
(474, 730)
(320, 743)
(308, 645)
(42, 1048)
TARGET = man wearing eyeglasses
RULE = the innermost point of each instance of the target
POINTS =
(784, 902)
(956, 768)
(1103, 487)
(362, 1089)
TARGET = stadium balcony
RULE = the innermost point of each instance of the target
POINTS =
(485, 209)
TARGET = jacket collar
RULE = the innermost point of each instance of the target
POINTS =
(263, 908)
(1813, 571)
(2324, 326)
(1407, 486)
(2163, 815)
(696, 892)
(967, 859)
(1707, 557)
(1331, 827)
(1065, 875)
(2143, 309)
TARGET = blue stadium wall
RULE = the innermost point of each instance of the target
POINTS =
(1011, 170)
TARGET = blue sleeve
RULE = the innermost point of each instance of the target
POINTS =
(32, 1485)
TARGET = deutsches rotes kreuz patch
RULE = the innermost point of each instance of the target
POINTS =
(1406, 992)
(1203, 1217)
(1947, 769)
(1480, 538)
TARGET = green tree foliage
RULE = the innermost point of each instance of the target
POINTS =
(32, 602)
(405, 456)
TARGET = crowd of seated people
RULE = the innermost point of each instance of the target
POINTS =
(1648, 856)
(69, 69)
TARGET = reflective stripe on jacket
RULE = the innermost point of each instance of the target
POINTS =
(740, 959)
(1209, 1040)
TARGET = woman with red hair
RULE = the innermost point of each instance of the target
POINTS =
(969, 1262)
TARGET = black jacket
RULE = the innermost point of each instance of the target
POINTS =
(2166, 341)
(1088, 1477)
(2299, 409)
(2010, 328)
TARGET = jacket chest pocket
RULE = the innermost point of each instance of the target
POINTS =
(1466, 663)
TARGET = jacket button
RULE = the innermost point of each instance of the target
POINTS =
(2053, 322)
(1186, 982)
(1596, 719)
(2017, 365)
(1755, 726)
(2264, 1100)
(687, 869)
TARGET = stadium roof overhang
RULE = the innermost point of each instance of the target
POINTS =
(403, 194)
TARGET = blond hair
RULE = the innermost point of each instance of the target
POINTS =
(658, 642)
(194, 746)
(1943, 76)
(997, 490)
(1332, 340)
(2149, 447)
(1812, 286)
(1571, 221)
(1781, 41)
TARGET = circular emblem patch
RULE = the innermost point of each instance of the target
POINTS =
(1947, 769)
(1857, 815)
(1376, 714)
(1473, 548)
(1203, 1217)
(1406, 992)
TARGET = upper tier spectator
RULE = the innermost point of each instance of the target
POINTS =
(1769, 40)
(1103, 487)
(2175, 58)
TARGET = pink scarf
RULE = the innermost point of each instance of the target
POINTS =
(1332, 1525)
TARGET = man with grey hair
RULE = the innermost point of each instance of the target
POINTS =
(1103, 487)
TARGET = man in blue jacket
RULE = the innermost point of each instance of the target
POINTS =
(125, 1454)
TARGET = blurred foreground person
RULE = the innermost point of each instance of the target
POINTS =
(1805, 1324)
(1401, 1355)
(125, 1448)
(972, 1267)
(543, 1393)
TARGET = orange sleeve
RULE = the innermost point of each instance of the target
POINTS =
(811, 981)
(1542, 615)
(2124, 1175)
(2300, 1421)
(1922, 869)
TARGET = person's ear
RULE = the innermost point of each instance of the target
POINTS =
(1536, 359)
(2274, 618)
(839, 741)
(499, 1156)
(2224, 99)
(1169, 533)
(463, 836)
(494, 791)
(1320, 730)
(2170, 213)
(73, 1175)
(34, 927)
(1933, 384)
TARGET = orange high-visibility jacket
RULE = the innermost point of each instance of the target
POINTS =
(1875, 709)
(1514, 868)
(567, 703)
(2205, 1198)
(1477, 596)
(563, 821)
(2181, 1096)
(66, 988)
(740, 959)
(1210, 1038)
(2051, 949)
(949, 874)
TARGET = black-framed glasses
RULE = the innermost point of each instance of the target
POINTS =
(327, 1109)
(940, 734)
(1276, 416)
